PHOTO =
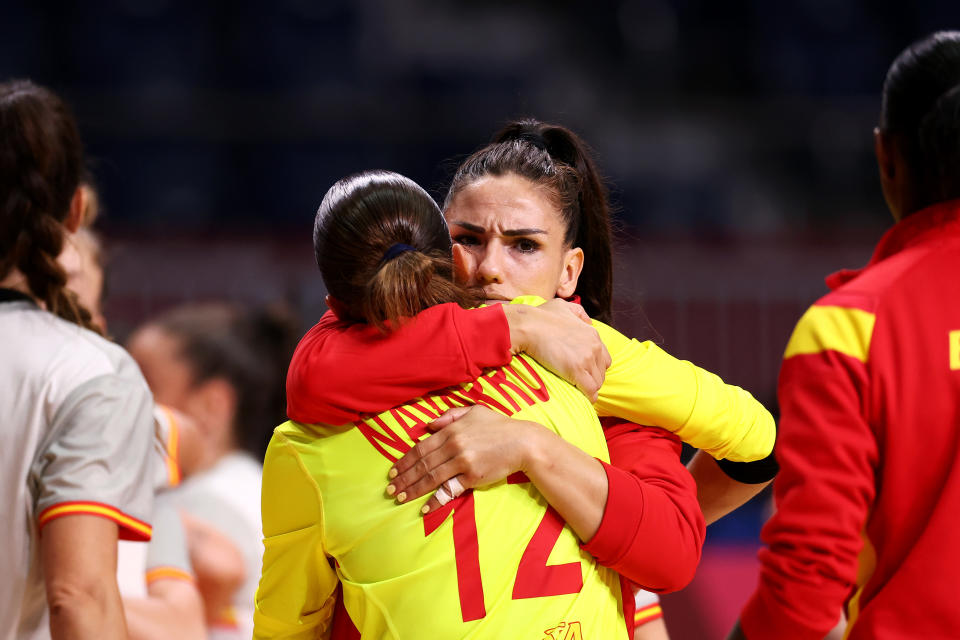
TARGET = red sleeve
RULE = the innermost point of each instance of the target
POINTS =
(827, 455)
(340, 371)
(652, 529)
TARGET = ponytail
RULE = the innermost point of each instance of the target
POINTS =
(359, 223)
(406, 285)
(41, 163)
(556, 158)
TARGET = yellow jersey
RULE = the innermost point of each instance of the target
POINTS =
(646, 385)
(496, 562)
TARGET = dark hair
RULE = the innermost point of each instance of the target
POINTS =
(41, 165)
(921, 108)
(249, 349)
(556, 158)
(360, 219)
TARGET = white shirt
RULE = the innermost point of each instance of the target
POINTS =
(76, 431)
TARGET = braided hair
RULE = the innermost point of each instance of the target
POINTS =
(41, 166)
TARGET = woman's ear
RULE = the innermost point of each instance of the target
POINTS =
(572, 266)
(78, 204)
(337, 307)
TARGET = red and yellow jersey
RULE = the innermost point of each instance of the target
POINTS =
(497, 562)
(869, 488)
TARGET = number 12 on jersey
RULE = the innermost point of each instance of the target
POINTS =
(535, 578)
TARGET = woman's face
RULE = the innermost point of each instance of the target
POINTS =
(511, 240)
(167, 374)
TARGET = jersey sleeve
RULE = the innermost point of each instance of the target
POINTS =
(340, 371)
(828, 456)
(167, 554)
(298, 587)
(652, 529)
(646, 385)
(98, 457)
(166, 447)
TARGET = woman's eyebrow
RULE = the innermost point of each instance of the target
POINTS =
(524, 232)
(475, 228)
(469, 227)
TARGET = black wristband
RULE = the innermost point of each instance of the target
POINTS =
(756, 472)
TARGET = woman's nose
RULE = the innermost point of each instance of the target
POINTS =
(489, 266)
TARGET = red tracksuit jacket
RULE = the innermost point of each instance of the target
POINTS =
(868, 496)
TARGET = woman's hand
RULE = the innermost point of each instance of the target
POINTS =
(558, 335)
(474, 444)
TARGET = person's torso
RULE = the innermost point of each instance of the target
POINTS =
(496, 562)
(42, 360)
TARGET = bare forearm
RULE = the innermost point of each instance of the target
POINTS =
(717, 493)
(573, 482)
(175, 611)
(76, 616)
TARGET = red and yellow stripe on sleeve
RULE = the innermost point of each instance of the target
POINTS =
(130, 527)
(647, 614)
(822, 328)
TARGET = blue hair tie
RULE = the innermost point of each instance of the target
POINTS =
(394, 251)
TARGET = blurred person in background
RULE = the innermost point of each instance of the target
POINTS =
(156, 581)
(522, 166)
(869, 488)
(77, 429)
(224, 368)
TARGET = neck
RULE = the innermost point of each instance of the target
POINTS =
(16, 281)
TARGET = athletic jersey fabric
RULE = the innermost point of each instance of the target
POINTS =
(167, 554)
(132, 563)
(77, 432)
(495, 563)
(338, 366)
(220, 496)
(869, 487)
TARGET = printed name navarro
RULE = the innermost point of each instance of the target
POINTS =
(504, 389)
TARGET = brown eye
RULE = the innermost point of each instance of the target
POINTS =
(466, 240)
(526, 245)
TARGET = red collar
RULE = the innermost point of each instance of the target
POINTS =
(938, 220)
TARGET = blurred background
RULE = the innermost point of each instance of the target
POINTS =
(736, 137)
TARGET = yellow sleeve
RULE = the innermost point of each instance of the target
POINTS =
(646, 385)
(297, 589)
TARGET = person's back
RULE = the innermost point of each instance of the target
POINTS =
(869, 396)
(50, 369)
(493, 563)
(897, 326)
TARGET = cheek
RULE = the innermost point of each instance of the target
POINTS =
(533, 274)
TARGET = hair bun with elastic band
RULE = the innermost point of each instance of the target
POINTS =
(394, 251)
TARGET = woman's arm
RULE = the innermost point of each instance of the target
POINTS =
(298, 589)
(482, 447)
(172, 609)
(79, 556)
(340, 371)
(639, 514)
(719, 492)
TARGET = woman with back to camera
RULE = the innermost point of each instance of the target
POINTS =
(77, 427)
(524, 230)
(873, 368)
(223, 367)
(383, 250)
